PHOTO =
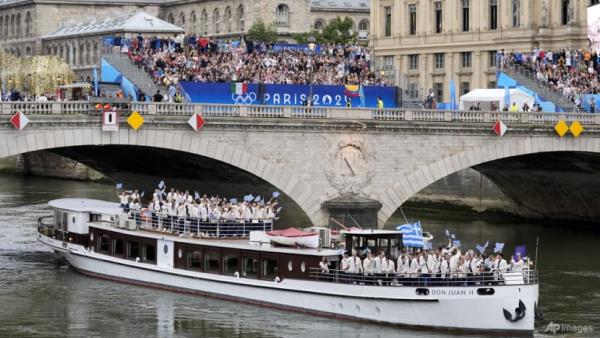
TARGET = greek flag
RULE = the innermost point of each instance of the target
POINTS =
(456, 243)
(161, 184)
(481, 248)
(257, 199)
(276, 194)
(412, 235)
(196, 195)
(119, 185)
(498, 248)
(233, 200)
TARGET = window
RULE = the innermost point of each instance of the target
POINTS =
(413, 89)
(194, 20)
(493, 14)
(230, 264)
(319, 25)
(181, 19)
(269, 268)
(387, 13)
(216, 20)
(492, 84)
(516, 13)
(412, 19)
(204, 22)
(594, 2)
(103, 243)
(148, 253)
(240, 18)
(493, 54)
(118, 247)
(565, 12)
(465, 15)
(438, 90)
(27, 24)
(171, 18)
(437, 16)
(19, 24)
(363, 25)
(194, 260)
(250, 267)
(228, 18)
(465, 87)
(133, 250)
(413, 62)
(211, 262)
(466, 59)
(282, 15)
(439, 60)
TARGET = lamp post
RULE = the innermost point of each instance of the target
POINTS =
(311, 48)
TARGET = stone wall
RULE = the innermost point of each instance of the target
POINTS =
(47, 164)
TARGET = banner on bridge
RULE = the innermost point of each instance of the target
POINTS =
(285, 95)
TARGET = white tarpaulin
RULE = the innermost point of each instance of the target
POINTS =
(485, 97)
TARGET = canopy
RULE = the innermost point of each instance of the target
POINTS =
(485, 97)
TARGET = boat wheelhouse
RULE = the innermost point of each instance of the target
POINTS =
(240, 261)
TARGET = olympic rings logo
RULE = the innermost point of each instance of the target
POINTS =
(247, 98)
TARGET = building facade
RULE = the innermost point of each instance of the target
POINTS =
(23, 23)
(423, 44)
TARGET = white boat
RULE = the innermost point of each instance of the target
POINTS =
(294, 238)
(219, 260)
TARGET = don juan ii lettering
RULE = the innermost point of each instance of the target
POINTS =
(452, 292)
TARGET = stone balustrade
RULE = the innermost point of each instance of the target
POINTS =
(296, 112)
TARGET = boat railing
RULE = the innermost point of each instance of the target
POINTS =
(494, 278)
(45, 226)
(198, 227)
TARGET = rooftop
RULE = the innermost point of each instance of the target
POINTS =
(138, 23)
(340, 4)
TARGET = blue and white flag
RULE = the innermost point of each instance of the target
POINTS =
(276, 194)
(248, 198)
(520, 250)
(257, 198)
(196, 195)
(498, 248)
(95, 79)
(233, 201)
(447, 233)
(278, 210)
(481, 248)
(143, 192)
(119, 185)
(161, 185)
(453, 104)
(412, 235)
(456, 243)
(361, 94)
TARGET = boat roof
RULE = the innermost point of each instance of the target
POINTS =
(370, 232)
(86, 205)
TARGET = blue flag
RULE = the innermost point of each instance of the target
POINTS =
(412, 235)
(276, 194)
(498, 248)
(233, 200)
(196, 195)
(119, 185)
(481, 248)
(520, 249)
(453, 95)
(257, 198)
(161, 184)
(95, 79)
(361, 94)
(506, 96)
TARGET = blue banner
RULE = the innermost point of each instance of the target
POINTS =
(285, 95)
(280, 47)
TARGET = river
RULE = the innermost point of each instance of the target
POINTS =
(40, 298)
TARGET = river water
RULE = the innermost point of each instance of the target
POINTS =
(40, 298)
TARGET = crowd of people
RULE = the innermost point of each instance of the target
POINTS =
(200, 59)
(442, 264)
(179, 205)
(571, 73)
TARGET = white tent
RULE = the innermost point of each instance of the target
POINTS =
(485, 97)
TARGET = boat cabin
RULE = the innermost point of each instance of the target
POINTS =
(388, 241)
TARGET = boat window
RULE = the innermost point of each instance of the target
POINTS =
(58, 219)
(65, 220)
(485, 291)
(179, 253)
(103, 243)
(250, 267)
(194, 260)
(303, 267)
(230, 264)
(148, 253)
(133, 250)
(211, 262)
(73, 220)
(290, 265)
(269, 268)
(95, 218)
(117, 247)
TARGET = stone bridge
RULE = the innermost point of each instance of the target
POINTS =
(314, 155)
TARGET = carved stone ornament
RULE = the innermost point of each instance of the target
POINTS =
(350, 167)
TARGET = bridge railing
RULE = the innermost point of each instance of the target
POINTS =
(296, 112)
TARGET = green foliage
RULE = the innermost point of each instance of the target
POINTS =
(338, 31)
(262, 32)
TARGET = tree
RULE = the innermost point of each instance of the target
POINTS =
(338, 31)
(262, 32)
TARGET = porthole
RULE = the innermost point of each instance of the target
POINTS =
(179, 253)
(422, 292)
(166, 249)
(290, 265)
(73, 219)
(485, 291)
(357, 309)
(377, 310)
(341, 306)
(303, 267)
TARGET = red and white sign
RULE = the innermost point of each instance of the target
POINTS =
(500, 128)
(196, 121)
(19, 120)
(110, 120)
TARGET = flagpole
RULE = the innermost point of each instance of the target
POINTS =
(537, 241)
(403, 215)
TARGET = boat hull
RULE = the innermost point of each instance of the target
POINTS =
(445, 308)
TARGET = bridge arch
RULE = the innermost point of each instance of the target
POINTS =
(408, 185)
(188, 142)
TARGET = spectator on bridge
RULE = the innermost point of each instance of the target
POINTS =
(514, 108)
(379, 102)
(157, 97)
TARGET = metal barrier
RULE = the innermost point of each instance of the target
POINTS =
(525, 277)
